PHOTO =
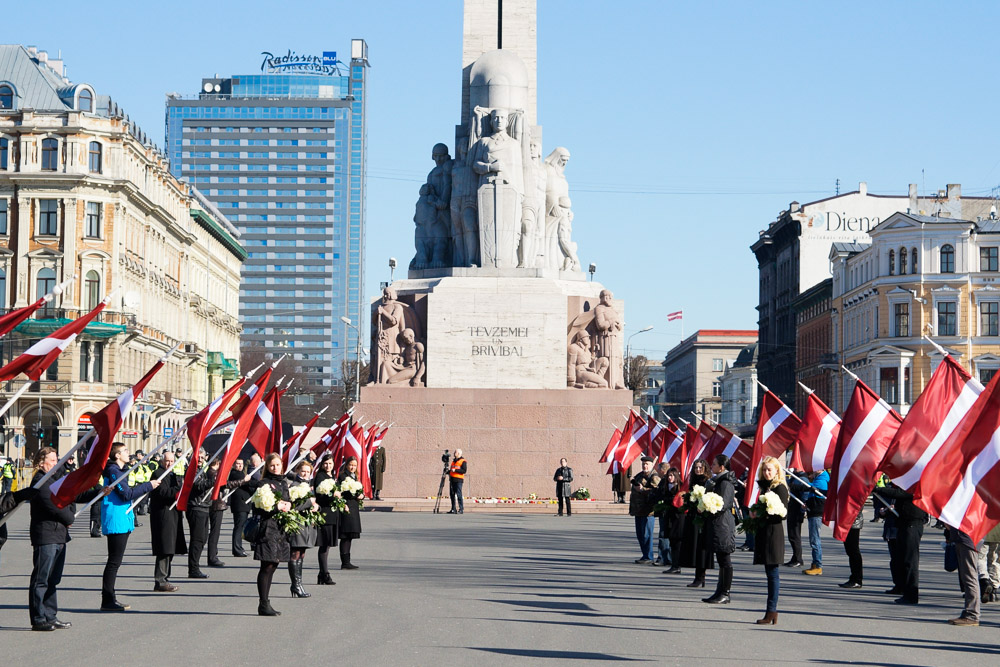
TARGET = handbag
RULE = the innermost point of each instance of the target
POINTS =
(252, 529)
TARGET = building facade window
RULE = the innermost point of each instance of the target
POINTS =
(989, 318)
(913, 260)
(93, 220)
(4, 152)
(892, 262)
(3, 288)
(6, 97)
(44, 283)
(3, 217)
(902, 261)
(947, 259)
(947, 324)
(743, 387)
(717, 389)
(50, 154)
(716, 414)
(900, 321)
(86, 99)
(92, 289)
(986, 374)
(743, 414)
(988, 259)
(91, 361)
(717, 365)
(94, 157)
(48, 217)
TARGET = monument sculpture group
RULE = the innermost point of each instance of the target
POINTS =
(495, 302)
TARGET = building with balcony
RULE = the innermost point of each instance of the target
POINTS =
(920, 275)
(85, 196)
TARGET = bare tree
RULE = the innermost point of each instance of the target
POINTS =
(348, 374)
(636, 373)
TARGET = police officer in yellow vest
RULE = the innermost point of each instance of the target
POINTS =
(7, 476)
(456, 478)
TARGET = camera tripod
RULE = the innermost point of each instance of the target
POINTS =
(437, 502)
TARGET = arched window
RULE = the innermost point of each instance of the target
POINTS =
(902, 261)
(6, 97)
(892, 262)
(50, 154)
(44, 283)
(92, 289)
(94, 157)
(913, 260)
(86, 100)
(3, 288)
(947, 259)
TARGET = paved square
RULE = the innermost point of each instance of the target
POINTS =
(490, 589)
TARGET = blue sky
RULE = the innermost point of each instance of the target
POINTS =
(691, 125)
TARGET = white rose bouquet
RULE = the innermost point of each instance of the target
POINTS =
(353, 487)
(774, 505)
(711, 503)
(767, 504)
(299, 491)
(327, 487)
(263, 498)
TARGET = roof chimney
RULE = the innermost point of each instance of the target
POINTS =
(954, 191)
(863, 189)
(794, 207)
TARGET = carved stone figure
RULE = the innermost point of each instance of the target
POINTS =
(432, 237)
(559, 247)
(389, 323)
(496, 157)
(409, 365)
(464, 223)
(607, 339)
(583, 370)
(423, 219)
(531, 250)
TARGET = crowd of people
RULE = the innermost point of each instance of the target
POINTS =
(699, 520)
(282, 514)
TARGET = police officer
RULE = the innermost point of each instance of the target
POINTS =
(7, 476)
(456, 478)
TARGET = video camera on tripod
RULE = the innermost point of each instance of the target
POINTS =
(446, 460)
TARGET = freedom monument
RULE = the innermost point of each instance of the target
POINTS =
(496, 343)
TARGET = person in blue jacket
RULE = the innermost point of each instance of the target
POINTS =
(117, 521)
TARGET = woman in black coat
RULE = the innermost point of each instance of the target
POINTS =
(350, 522)
(300, 541)
(696, 551)
(326, 534)
(769, 542)
(722, 527)
(672, 519)
(271, 546)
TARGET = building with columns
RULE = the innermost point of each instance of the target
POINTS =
(86, 197)
(920, 275)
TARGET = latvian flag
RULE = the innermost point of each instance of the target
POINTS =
(676, 315)
(106, 424)
(817, 438)
(777, 429)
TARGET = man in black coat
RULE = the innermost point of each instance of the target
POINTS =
(239, 501)
(640, 506)
(909, 530)
(199, 504)
(163, 523)
(564, 482)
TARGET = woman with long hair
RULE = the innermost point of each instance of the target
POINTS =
(350, 522)
(117, 521)
(326, 534)
(695, 547)
(300, 541)
(769, 542)
(271, 546)
(722, 527)
(672, 521)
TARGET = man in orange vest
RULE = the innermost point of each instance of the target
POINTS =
(456, 475)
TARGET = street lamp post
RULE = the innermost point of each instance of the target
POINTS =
(628, 349)
(357, 361)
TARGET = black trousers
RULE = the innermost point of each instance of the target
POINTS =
(894, 560)
(795, 538)
(116, 552)
(569, 508)
(214, 533)
(198, 525)
(161, 570)
(239, 521)
(455, 491)
(908, 543)
(852, 546)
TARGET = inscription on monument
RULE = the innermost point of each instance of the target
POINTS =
(499, 344)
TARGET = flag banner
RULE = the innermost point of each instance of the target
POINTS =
(868, 427)
(699, 443)
(961, 483)
(676, 315)
(817, 438)
(736, 448)
(616, 437)
(671, 452)
(106, 424)
(15, 317)
(777, 429)
(937, 413)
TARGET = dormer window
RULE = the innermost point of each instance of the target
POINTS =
(85, 100)
(6, 97)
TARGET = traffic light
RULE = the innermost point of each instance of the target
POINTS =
(37, 430)
(145, 432)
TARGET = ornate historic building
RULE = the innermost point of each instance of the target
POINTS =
(920, 275)
(739, 392)
(86, 198)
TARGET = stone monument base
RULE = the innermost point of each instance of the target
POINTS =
(512, 438)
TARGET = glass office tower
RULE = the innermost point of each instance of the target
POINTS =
(282, 154)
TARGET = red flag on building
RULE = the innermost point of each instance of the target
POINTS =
(961, 483)
(106, 424)
(817, 438)
(868, 427)
(33, 361)
(199, 427)
(777, 428)
(935, 416)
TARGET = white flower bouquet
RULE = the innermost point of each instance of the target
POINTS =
(263, 498)
(327, 487)
(774, 504)
(711, 503)
(299, 491)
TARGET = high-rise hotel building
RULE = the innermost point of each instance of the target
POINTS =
(282, 153)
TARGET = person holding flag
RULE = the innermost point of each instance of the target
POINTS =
(640, 506)
(909, 530)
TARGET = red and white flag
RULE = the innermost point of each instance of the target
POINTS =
(33, 361)
(676, 315)
(621, 451)
(199, 427)
(616, 437)
(961, 484)
(106, 424)
(736, 448)
(290, 449)
(699, 444)
(817, 438)
(15, 317)
(777, 429)
(671, 448)
(262, 427)
(641, 437)
(868, 428)
(937, 413)
(260, 410)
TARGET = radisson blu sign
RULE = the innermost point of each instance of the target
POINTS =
(300, 63)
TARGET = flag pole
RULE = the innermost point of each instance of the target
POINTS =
(796, 477)
(207, 464)
(807, 389)
(14, 398)
(159, 479)
(937, 347)
(762, 385)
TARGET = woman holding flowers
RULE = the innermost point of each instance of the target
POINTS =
(327, 497)
(672, 518)
(718, 500)
(768, 515)
(271, 546)
(300, 494)
(350, 521)
(695, 547)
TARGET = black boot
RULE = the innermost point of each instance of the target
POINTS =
(324, 579)
(345, 561)
(295, 572)
(299, 564)
(264, 609)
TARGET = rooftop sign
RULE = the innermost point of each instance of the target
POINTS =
(301, 64)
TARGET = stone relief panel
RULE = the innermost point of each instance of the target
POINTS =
(594, 357)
